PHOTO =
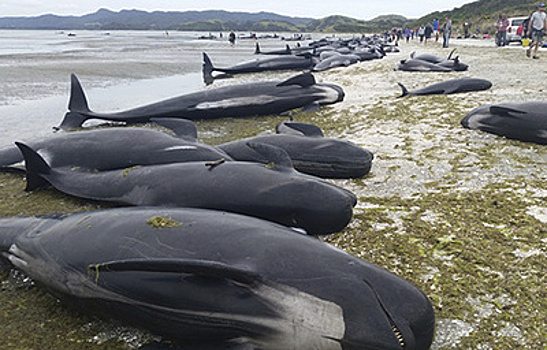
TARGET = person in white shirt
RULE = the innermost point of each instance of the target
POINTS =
(536, 28)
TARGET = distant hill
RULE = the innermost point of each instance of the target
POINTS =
(141, 20)
(351, 25)
(210, 21)
(482, 14)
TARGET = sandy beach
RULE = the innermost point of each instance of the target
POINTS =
(462, 214)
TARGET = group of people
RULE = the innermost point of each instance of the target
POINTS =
(431, 29)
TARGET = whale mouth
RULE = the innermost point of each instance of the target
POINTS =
(398, 333)
(404, 338)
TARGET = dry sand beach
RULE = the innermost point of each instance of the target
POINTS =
(460, 213)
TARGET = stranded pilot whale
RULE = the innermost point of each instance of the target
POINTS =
(217, 279)
(243, 100)
(273, 191)
(310, 152)
(451, 86)
(120, 147)
(525, 121)
(282, 62)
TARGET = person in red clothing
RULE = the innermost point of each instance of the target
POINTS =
(501, 37)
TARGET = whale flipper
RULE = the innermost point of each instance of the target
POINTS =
(272, 154)
(506, 111)
(210, 269)
(295, 128)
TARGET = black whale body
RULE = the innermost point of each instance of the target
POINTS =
(217, 278)
(524, 121)
(118, 148)
(451, 86)
(310, 153)
(274, 191)
(243, 100)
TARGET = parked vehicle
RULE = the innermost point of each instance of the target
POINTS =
(514, 23)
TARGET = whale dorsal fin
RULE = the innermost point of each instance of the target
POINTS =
(36, 168)
(304, 80)
(211, 269)
(182, 128)
(273, 156)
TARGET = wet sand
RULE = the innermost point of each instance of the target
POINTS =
(460, 213)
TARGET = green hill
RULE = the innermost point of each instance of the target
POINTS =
(351, 25)
(482, 14)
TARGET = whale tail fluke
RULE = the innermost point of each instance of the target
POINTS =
(71, 120)
(78, 100)
(207, 70)
(405, 90)
(78, 108)
(36, 168)
(450, 54)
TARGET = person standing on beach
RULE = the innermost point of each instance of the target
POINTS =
(232, 38)
(407, 34)
(447, 30)
(536, 28)
(503, 23)
(435, 24)
(421, 33)
(428, 31)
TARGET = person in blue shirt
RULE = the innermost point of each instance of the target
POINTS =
(436, 29)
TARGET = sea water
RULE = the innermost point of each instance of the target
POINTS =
(118, 70)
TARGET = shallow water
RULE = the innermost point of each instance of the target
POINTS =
(459, 213)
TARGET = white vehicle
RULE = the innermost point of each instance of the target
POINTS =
(514, 23)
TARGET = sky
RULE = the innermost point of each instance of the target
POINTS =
(359, 9)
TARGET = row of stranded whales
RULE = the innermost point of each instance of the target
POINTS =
(243, 100)
(123, 147)
(451, 86)
(524, 121)
(218, 280)
(317, 56)
(310, 152)
(119, 147)
(273, 191)
(283, 62)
